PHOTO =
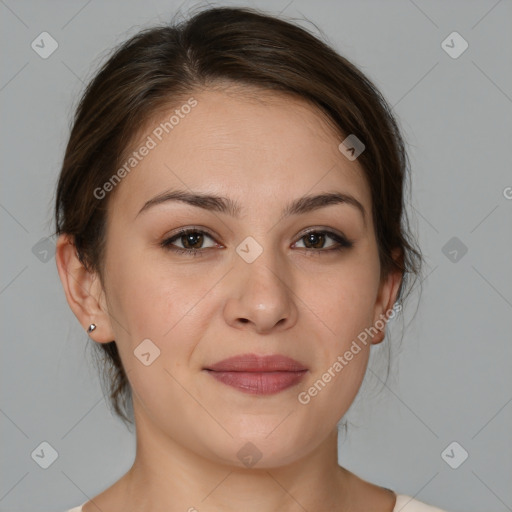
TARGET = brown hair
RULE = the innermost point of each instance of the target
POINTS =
(160, 66)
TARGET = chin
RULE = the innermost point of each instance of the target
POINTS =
(255, 452)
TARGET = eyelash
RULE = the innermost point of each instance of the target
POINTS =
(343, 243)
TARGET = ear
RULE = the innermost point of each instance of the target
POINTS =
(83, 289)
(386, 298)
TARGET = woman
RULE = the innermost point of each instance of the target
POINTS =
(232, 236)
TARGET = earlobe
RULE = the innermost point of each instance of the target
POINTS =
(83, 291)
(379, 337)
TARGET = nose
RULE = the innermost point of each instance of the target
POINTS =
(261, 297)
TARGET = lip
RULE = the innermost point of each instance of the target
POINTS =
(257, 363)
(260, 375)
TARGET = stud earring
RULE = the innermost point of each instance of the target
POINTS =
(91, 328)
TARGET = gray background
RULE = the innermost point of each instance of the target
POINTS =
(451, 378)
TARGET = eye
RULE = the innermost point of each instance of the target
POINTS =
(315, 239)
(191, 241)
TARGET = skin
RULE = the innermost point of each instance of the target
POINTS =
(295, 300)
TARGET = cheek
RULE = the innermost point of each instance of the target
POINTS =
(164, 308)
(169, 307)
(344, 308)
(151, 297)
(162, 393)
(343, 302)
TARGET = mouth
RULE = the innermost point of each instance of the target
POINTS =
(259, 375)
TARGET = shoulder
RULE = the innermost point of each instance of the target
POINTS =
(407, 504)
(76, 509)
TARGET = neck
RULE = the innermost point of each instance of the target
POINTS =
(167, 476)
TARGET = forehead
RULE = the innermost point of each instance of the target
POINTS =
(257, 147)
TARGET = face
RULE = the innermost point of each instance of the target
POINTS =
(254, 280)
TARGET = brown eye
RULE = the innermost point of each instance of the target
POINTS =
(317, 239)
(191, 241)
(314, 240)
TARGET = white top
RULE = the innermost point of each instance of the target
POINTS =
(403, 504)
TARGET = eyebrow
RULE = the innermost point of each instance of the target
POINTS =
(226, 205)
